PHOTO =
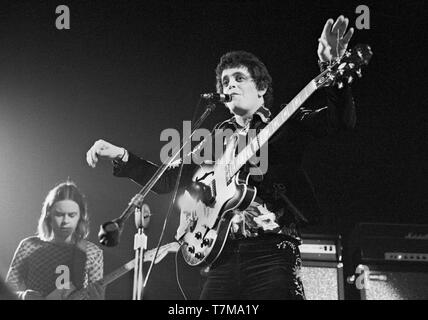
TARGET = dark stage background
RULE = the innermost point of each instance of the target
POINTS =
(126, 70)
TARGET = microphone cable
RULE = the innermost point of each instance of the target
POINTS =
(168, 215)
(178, 278)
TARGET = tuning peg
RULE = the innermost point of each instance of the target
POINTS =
(199, 255)
(350, 79)
(191, 249)
(359, 73)
(207, 242)
(340, 85)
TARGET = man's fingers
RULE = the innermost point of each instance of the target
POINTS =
(323, 42)
(342, 27)
(327, 27)
(88, 158)
(92, 157)
(348, 36)
(102, 149)
(100, 290)
(337, 24)
(96, 291)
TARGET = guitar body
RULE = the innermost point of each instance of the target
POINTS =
(206, 232)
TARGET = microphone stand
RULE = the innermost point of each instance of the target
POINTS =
(110, 232)
(140, 244)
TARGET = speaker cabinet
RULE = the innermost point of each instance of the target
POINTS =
(322, 271)
(386, 282)
(323, 280)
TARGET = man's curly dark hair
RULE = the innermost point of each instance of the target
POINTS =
(256, 68)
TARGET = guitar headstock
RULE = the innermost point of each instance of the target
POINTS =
(346, 68)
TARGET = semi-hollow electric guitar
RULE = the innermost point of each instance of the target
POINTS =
(222, 188)
(72, 294)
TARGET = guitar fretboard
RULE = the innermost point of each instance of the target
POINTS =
(118, 273)
(267, 132)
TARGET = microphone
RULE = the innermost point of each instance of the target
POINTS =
(110, 232)
(217, 97)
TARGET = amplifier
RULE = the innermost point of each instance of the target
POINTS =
(389, 243)
(322, 271)
(321, 247)
(390, 261)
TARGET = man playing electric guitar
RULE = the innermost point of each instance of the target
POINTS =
(72, 293)
(260, 258)
(59, 256)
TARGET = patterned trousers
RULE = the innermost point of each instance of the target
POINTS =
(265, 268)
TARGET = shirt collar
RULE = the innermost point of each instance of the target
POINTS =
(262, 114)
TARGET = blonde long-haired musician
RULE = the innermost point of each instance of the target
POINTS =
(58, 259)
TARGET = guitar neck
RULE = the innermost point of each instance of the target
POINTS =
(148, 256)
(267, 132)
(81, 294)
(118, 273)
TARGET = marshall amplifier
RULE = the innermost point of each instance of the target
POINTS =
(322, 271)
(389, 261)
